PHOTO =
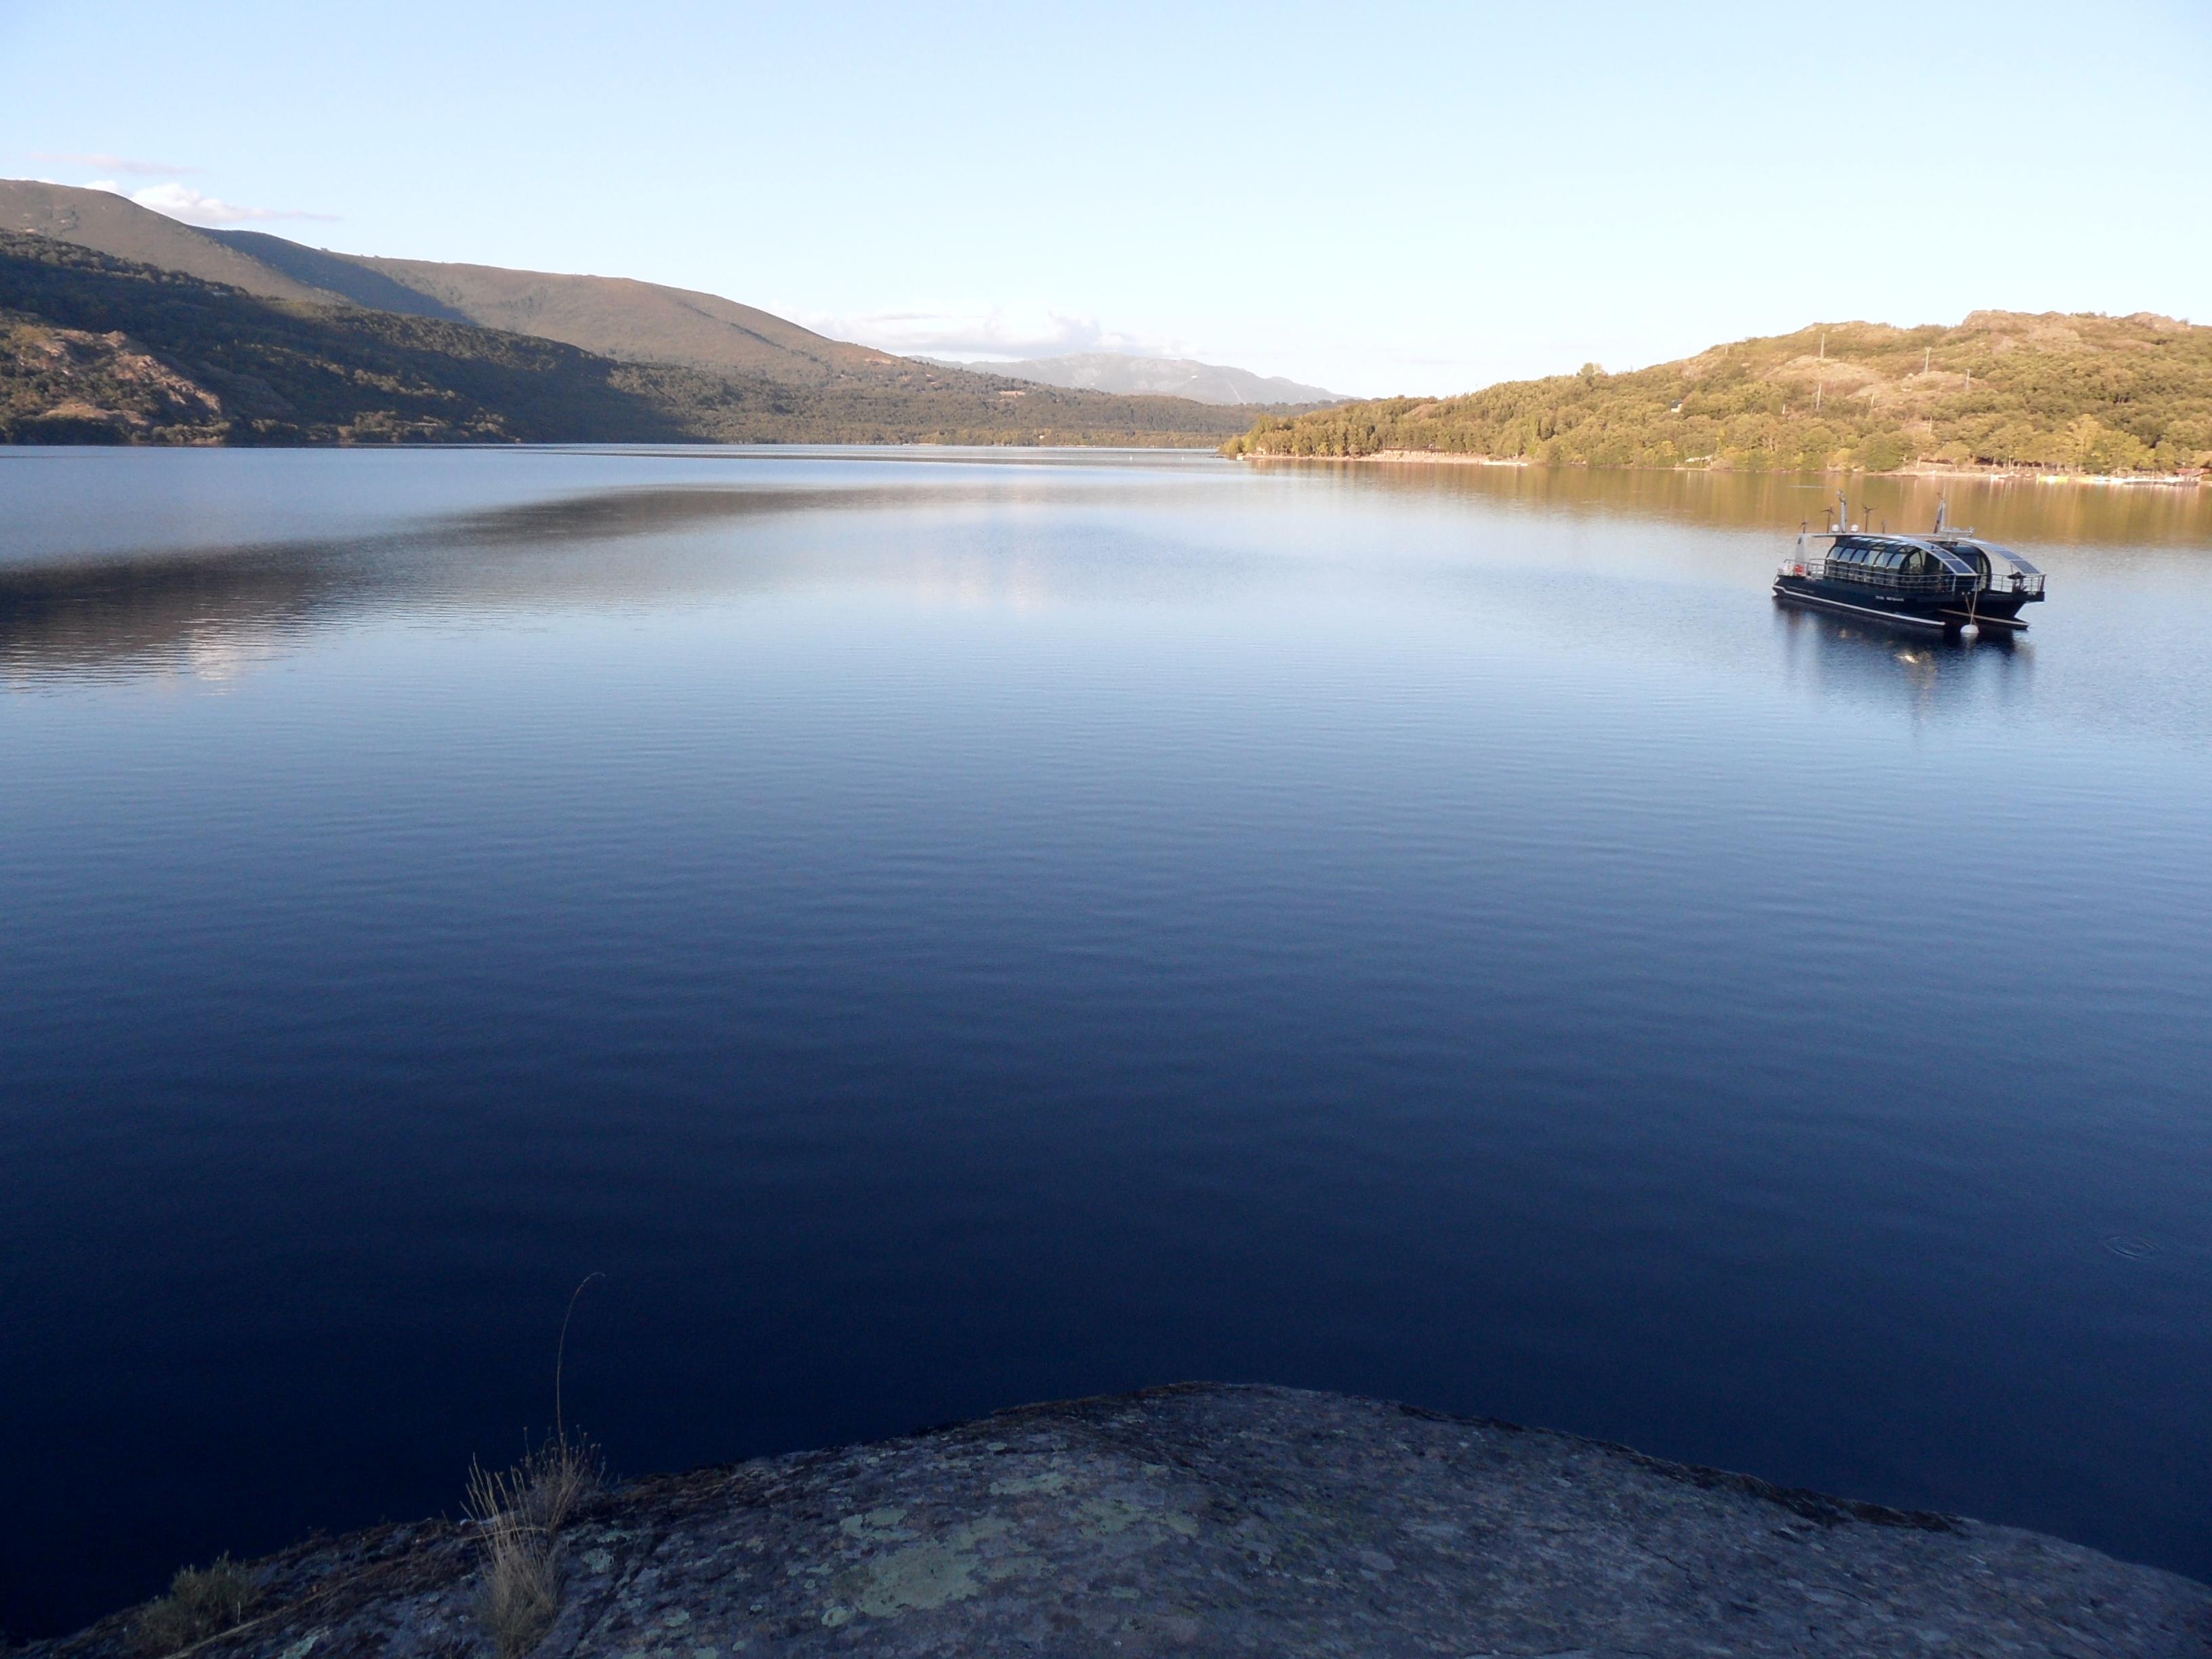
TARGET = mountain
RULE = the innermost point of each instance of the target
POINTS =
(96, 349)
(1171, 377)
(330, 276)
(642, 323)
(108, 223)
(637, 322)
(611, 317)
(2088, 393)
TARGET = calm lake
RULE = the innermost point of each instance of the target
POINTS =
(939, 930)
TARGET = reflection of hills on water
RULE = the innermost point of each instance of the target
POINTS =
(1618, 567)
(172, 613)
(2020, 509)
(164, 617)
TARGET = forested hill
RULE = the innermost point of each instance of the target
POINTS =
(97, 349)
(2084, 393)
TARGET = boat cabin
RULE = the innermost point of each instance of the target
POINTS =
(1898, 564)
(1944, 580)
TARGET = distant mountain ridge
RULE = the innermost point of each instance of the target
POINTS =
(1170, 377)
(614, 317)
(608, 316)
(644, 323)
(108, 223)
(338, 276)
(94, 347)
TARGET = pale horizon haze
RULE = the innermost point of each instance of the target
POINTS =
(1424, 200)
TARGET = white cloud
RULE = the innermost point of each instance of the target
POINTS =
(1004, 332)
(194, 207)
(113, 164)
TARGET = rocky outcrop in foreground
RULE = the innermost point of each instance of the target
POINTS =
(1211, 1520)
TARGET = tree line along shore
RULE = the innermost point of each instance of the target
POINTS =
(2005, 391)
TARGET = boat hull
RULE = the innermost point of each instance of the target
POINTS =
(2004, 606)
(1921, 612)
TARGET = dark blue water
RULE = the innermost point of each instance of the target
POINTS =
(939, 930)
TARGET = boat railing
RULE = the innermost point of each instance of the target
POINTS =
(2015, 581)
(1863, 576)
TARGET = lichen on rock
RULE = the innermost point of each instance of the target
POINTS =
(1223, 1520)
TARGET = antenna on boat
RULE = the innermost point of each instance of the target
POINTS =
(1943, 509)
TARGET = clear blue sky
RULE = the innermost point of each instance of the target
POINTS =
(1381, 198)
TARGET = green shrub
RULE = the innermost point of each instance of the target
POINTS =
(1882, 453)
(202, 1601)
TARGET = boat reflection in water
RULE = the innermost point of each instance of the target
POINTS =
(1930, 674)
(1943, 582)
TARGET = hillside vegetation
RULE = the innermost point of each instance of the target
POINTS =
(2003, 389)
(642, 322)
(107, 223)
(608, 316)
(646, 323)
(95, 349)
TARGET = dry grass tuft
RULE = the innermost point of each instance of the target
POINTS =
(202, 1601)
(519, 1514)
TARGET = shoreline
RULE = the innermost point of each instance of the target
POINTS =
(1210, 1518)
(1991, 475)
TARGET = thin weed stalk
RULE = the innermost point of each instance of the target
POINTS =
(518, 1513)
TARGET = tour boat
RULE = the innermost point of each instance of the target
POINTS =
(1946, 580)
